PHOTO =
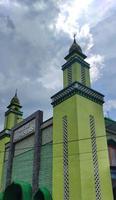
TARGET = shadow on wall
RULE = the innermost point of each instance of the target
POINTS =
(23, 191)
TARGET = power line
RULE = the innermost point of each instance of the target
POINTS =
(73, 154)
(77, 140)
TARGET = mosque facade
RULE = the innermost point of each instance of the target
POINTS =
(71, 156)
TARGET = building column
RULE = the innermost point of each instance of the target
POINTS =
(37, 151)
(10, 160)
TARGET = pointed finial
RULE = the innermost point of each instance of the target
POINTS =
(16, 93)
(74, 36)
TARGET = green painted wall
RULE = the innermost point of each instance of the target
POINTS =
(23, 166)
(81, 174)
(45, 176)
(3, 141)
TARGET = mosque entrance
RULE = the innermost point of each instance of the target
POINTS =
(23, 191)
(43, 194)
(13, 191)
(18, 191)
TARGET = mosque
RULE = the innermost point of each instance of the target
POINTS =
(71, 156)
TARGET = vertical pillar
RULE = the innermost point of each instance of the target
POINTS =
(10, 161)
(37, 150)
(65, 158)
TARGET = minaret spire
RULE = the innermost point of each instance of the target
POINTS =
(74, 36)
(16, 92)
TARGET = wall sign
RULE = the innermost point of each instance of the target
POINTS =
(24, 130)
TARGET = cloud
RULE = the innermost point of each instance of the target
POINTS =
(110, 104)
(34, 38)
(69, 15)
(28, 54)
(97, 63)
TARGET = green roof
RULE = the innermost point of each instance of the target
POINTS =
(110, 124)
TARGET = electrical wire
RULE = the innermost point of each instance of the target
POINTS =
(32, 147)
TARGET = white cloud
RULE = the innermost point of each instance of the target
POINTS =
(97, 63)
(5, 2)
(40, 6)
(69, 15)
(110, 104)
(74, 14)
(86, 38)
(52, 79)
(38, 43)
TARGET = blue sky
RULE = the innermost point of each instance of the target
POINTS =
(35, 35)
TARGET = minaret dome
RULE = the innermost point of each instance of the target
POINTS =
(75, 47)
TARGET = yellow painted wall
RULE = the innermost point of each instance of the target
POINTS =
(87, 74)
(11, 120)
(3, 141)
(76, 75)
(81, 174)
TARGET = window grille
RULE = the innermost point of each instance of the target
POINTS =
(69, 75)
(65, 158)
(95, 158)
(83, 79)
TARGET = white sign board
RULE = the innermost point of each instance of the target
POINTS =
(24, 130)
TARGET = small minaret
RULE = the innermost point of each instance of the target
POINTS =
(13, 115)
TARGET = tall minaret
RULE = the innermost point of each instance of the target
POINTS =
(80, 156)
(13, 115)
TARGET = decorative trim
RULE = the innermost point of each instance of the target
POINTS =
(83, 76)
(95, 158)
(69, 75)
(80, 89)
(73, 60)
(5, 133)
(73, 52)
(13, 111)
(65, 158)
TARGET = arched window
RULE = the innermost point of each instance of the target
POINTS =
(13, 191)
